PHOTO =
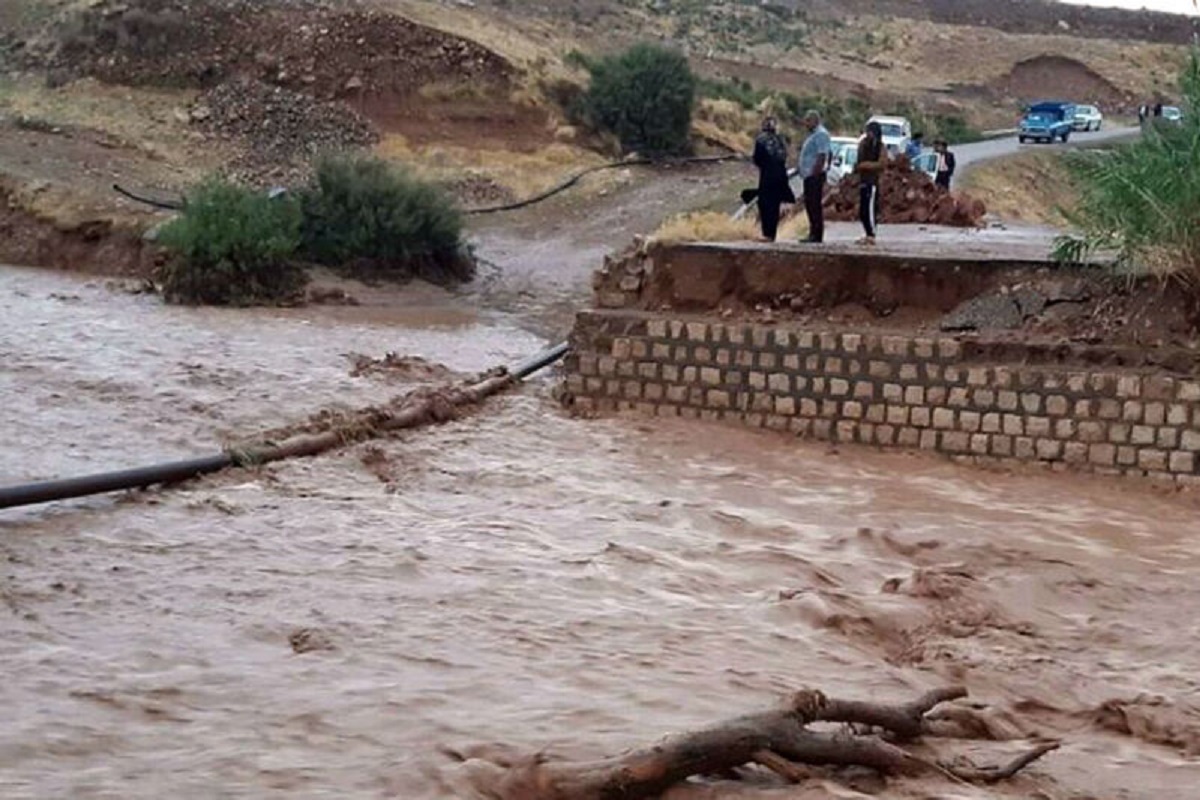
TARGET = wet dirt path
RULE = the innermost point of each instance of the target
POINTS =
(320, 628)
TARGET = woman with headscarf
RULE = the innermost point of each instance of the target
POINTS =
(770, 156)
(872, 159)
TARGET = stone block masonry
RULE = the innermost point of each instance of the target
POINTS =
(915, 392)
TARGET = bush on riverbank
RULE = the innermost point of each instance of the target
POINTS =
(645, 96)
(233, 246)
(1142, 200)
(370, 219)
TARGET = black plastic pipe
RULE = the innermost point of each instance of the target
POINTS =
(175, 471)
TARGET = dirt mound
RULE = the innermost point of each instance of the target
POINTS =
(281, 128)
(303, 45)
(1070, 78)
(907, 196)
(290, 78)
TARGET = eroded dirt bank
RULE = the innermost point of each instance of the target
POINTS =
(321, 627)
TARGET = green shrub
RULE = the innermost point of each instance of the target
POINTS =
(645, 96)
(232, 246)
(954, 129)
(1142, 200)
(737, 90)
(373, 220)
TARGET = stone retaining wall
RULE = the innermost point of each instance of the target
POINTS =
(887, 390)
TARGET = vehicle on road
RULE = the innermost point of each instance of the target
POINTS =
(1172, 114)
(845, 157)
(1047, 121)
(897, 131)
(1087, 118)
(926, 162)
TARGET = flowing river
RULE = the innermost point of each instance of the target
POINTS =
(326, 627)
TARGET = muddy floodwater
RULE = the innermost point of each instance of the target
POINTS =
(327, 627)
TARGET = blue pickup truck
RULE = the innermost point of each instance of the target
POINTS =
(1047, 121)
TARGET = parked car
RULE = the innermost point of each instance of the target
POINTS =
(897, 131)
(1172, 114)
(1047, 121)
(926, 162)
(1087, 118)
(845, 157)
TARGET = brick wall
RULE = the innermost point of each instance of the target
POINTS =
(887, 390)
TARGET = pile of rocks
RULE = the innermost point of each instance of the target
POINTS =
(279, 127)
(907, 196)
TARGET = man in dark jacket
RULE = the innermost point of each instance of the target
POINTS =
(945, 164)
(770, 156)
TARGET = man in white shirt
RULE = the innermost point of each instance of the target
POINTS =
(815, 155)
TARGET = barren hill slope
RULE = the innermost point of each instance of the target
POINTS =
(158, 92)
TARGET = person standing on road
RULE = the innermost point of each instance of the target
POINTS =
(872, 160)
(770, 156)
(913, 149)
(815, 155)
(945, 164)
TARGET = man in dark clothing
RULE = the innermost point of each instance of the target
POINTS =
(945, 164)
(872, 159)
(770, 156)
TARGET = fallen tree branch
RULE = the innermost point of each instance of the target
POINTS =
(778, 740)
(905, 721)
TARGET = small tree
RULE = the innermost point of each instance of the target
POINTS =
(371, 219)
(232, 246)
(645, 96)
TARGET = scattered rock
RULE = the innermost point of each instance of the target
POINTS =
(278, 125)
(986, 312)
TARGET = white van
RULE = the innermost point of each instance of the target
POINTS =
(844, 157)
(897, 131)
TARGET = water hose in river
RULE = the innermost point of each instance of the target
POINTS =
(420, 409)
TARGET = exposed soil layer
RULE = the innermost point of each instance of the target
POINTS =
(1078, 315)
(93, 246)
(1062, 77)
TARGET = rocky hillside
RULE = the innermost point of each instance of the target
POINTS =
(473, 92)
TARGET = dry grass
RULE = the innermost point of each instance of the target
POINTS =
(524, 174)
(1032, 187)
(713, 226)
(152, 120)
(705, 226)
(535, 46)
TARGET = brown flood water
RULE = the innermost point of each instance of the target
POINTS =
(523, 578)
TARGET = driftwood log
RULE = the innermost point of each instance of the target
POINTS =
(780, 740)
